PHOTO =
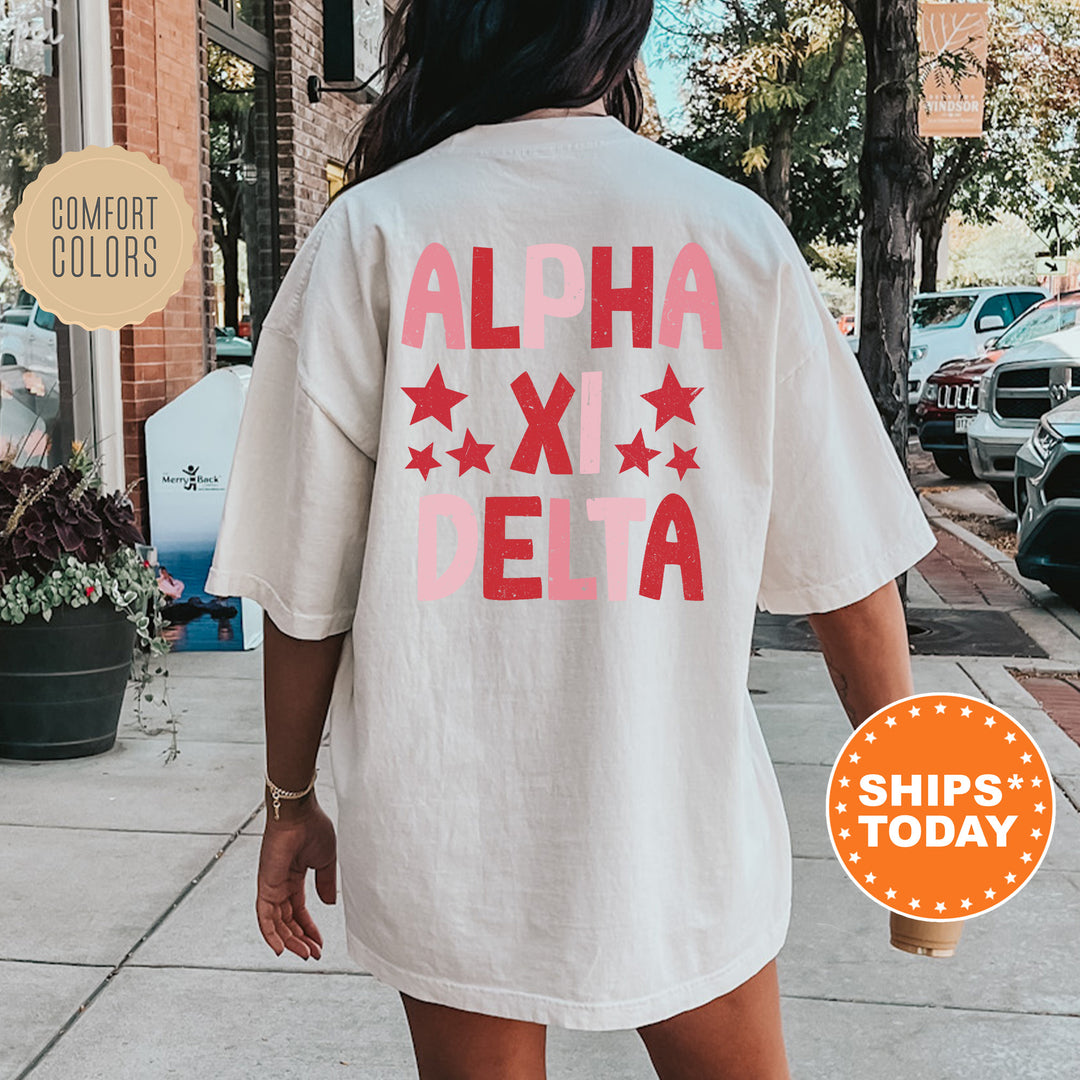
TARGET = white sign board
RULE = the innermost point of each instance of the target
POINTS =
(368, 19)
(1051, 266)
(190, 443)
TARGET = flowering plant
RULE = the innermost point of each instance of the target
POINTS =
(64, 541)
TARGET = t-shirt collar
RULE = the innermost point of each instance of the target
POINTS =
(575, 129)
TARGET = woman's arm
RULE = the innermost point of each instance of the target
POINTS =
(866, 651)
(298, 677)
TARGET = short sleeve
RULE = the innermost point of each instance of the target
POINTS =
(843, 519)
(294, 525)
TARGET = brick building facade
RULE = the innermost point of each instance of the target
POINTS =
(161, 53)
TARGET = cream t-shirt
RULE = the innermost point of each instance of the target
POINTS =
(538, 418)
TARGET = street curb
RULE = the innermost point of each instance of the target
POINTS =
(1037, 593)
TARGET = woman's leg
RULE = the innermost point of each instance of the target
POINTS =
(734, 1037)
(453, 1044)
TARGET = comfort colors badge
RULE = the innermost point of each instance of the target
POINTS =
(103, 237)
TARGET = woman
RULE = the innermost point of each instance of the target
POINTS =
(539, 413)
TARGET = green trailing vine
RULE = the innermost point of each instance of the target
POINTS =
(66, 543)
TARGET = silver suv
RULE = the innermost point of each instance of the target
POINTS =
(1013, 395)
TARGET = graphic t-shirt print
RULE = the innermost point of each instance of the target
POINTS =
(672, 539)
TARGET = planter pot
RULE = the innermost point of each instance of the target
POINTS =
(62, 682)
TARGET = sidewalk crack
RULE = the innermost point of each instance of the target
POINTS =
(64, 1028)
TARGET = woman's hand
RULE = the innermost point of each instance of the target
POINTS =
(304, 838)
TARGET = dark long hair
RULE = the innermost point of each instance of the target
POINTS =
(450, 64)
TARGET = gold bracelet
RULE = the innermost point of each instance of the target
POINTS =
(280, 793)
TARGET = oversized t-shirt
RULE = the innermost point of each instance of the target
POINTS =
(538, 418)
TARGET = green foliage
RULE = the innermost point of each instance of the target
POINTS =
(23, 151)
(1003, 251)
(118, 576)
(774, 92)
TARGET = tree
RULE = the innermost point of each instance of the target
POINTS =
(1032, 108)
(893, 177)
(773, 101)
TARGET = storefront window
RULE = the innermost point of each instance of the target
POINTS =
(252, 12)
(36, 422)
(241, 171)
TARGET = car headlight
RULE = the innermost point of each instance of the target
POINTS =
(984, 391)
(1045, 438)
(930, 391)
(916, 353)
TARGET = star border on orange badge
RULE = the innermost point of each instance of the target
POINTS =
(937, 734)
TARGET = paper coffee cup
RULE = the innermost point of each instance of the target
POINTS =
(924, 937)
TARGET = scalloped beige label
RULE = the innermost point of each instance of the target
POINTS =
(103, 237)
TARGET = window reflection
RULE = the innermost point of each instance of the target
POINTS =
(35, 375)
(241, 193)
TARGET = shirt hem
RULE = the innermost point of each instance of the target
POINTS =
(853, 587)
(561, 1012)
(292, 623)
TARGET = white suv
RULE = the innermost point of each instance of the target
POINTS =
(1013, 394)
(956, 325)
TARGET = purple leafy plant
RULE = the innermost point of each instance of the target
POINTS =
(47, 514)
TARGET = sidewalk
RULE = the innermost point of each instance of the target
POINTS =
(129, 949)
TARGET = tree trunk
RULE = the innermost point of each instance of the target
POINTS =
(931, 228)
(893, 177)
(776, 180)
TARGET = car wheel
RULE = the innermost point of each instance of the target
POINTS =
(1005, 492)
(954, 463)
(7, 360)
(1067, 588)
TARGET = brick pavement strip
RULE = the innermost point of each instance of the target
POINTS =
(960, 575)
(1059, 696)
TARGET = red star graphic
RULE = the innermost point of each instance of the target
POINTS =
(672, 400)
(683, 460)
(424, 460)
(471, 454)
(636, 454)
(434, 399)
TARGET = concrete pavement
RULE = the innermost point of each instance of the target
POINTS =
(129, 949)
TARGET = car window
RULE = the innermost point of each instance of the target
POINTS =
(941, 312)
(45, 320)
(1021, 301)
(1037, 322)
(997, 305)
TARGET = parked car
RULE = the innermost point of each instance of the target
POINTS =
(230, 347)
(956, 325)
(1013, 395)
(945, 410)
(28, 338)
(1048, 501)
(949, 399)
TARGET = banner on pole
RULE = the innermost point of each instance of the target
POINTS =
(952, 47)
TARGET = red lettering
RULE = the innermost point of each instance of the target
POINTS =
(484, 334)
(543, 431)
(682, 551)
(498, 547)
(637, 299)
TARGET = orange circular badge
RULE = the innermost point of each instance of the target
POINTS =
(940, 806)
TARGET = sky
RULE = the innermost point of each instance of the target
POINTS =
(665, 75)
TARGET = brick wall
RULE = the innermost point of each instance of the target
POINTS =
(160, 107)
(157, 110)
(308, 135)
